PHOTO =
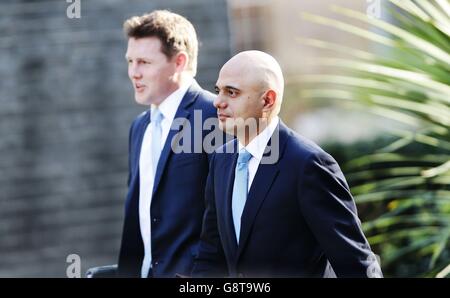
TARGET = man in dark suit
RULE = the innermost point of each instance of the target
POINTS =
(277, 204)
(164, 205)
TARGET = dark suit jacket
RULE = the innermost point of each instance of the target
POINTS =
(299, 213)
(177, 204)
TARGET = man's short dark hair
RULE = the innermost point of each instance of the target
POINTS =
(175, 32)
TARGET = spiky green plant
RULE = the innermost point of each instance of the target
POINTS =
(408, 80)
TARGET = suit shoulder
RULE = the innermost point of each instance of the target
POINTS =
(205, 102)
(226, 149)
(207, 96)
(141, 116)
(139, 120)
(304, 148)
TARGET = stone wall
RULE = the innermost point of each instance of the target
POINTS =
(65, 109)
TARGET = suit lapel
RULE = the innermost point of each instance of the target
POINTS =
(228, 173)
(184, 113)
(264, 178)
(139, 138)
(262, 183)
(137, 144)
(132, 234)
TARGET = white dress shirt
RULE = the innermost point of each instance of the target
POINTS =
(256, 148)
(168, 109)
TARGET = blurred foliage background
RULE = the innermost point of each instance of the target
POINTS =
(401, 178)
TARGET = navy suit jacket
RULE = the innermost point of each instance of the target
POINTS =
(177, 204)
(299, 213)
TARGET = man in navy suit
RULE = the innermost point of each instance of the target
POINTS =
(277, 204)
(165, 201)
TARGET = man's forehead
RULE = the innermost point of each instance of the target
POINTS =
(227, 80)
(242, 80)
(233, 75)
(228, 85)
(143, 46)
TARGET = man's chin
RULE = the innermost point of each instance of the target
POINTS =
(227, 127)
(142, 100)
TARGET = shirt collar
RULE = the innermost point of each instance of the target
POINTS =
(257, 146)
(169, 106)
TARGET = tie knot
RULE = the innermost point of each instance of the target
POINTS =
(157, 116)
(244, 156)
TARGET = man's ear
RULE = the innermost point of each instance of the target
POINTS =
(269, 100)
(181, 61)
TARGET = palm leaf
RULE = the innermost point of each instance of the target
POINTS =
(409, 194)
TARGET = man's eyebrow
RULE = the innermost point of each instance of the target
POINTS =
(232, 88)
(227, 88)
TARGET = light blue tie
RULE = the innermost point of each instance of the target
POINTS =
(156, 119)
(240, 189)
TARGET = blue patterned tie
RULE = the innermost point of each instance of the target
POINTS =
(156, 119)
(240, 189)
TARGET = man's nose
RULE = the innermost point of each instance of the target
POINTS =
(134, 71)
(220, 103)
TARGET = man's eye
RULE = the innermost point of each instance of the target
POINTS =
(232, 93)
(217, 91)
